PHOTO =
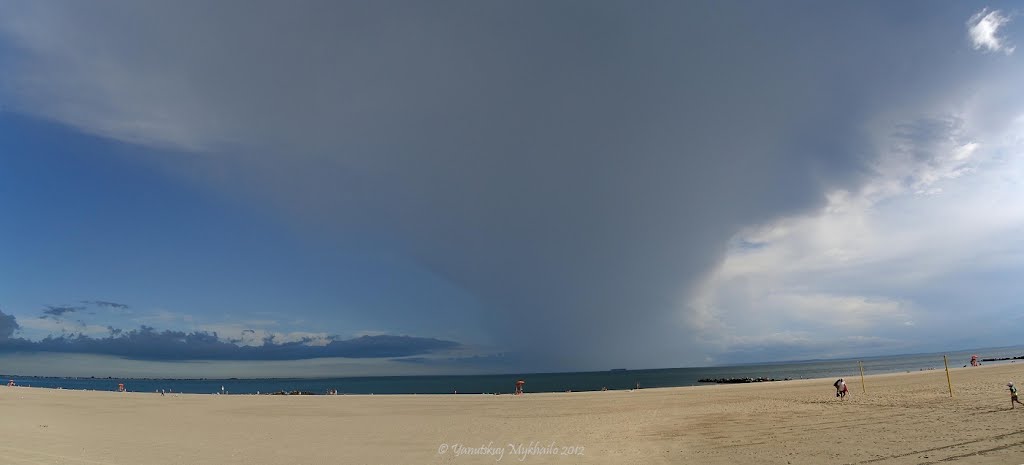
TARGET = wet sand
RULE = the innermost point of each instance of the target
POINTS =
(901, 419)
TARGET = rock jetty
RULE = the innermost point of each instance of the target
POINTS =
(1002, 359)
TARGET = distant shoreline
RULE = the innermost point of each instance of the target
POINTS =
(617, 380)
(1018, 349)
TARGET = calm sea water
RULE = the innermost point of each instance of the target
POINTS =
(535, 382)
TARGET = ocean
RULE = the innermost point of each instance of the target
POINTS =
(535, 382)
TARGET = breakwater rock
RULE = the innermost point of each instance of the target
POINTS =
(1002, 359)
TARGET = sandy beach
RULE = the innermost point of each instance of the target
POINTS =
(901, 419)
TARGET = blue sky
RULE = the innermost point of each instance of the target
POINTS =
(332, 188)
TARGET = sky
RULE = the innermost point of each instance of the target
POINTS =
(320, 188)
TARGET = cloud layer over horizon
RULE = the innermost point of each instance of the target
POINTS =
(147, 343)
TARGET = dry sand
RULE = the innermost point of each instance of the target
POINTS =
(902, 419)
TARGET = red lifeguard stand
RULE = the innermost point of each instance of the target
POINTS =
(120, 387)
(519, 387)
(974, 361)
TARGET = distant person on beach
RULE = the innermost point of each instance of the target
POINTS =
(1013, 394)
(841, 388)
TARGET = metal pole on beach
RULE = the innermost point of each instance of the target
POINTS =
(946, 363)
(862, 388)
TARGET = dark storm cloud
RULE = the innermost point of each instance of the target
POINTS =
(106, 304)
(576, 166)
(8, 325)
(58, 311)
(147, 343)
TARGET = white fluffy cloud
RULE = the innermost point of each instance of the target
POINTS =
(983, 29)
(902, 255)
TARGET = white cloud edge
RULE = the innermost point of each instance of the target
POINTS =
(896, 219)
(983, 28)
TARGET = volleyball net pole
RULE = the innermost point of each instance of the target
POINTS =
(948, 381)
(862, 388)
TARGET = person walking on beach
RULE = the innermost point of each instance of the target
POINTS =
(841, 388)
(1013, 394)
